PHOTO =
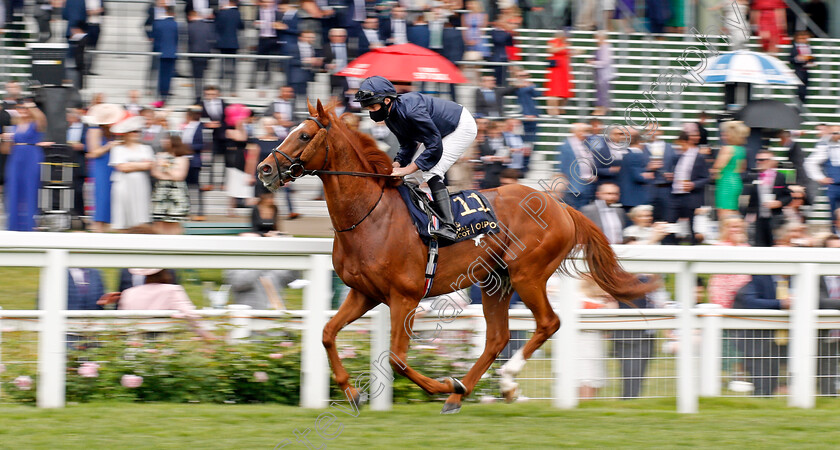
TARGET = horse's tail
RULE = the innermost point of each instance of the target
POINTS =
(603, 264)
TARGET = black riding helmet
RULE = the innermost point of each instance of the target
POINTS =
(375, 90)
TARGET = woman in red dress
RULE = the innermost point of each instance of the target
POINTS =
(771, 23)
(560, 74)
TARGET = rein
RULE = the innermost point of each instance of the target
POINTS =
(297, 170)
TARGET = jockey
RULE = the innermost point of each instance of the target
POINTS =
(445, 128)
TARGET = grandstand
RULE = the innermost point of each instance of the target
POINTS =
(640, 58)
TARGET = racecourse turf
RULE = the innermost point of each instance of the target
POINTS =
(738, 423)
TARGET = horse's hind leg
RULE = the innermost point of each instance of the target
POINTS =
(495, 307)
(353, 307)
(535, 298)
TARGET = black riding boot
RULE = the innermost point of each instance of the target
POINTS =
(443, 205)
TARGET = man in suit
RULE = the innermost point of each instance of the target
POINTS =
(796, 156)
(287, 30)
(823, 166)
(76, 132)
(762, 352)
(768, 195)
(282, 109)
(165, 41)
(303, 63)
(576, 167)
(213, 110)
(75, 13)
(157, 10)
(267, 40)
(205, 9)
(690, 175)
(336, 58)
(95, 12)
(200, 35)
(494, 154)
(489, 99)
(84, 288)
(370, 37)
(637, 174)
(607, 156)
(394, 27)
(606, 214)
(228, 24)
(660, 193)
(418, 32)
(192, 134)
(802, 59)
(76, 57)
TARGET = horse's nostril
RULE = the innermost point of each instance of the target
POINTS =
(265, 169)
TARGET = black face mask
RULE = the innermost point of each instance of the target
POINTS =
(380, 114)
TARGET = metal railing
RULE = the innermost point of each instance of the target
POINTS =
(54, 253)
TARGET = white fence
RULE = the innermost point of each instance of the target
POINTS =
(697, 371)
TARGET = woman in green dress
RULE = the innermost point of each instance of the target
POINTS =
(729, 166)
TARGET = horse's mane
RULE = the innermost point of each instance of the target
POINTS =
(364, 146)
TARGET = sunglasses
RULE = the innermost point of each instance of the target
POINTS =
(762, 159)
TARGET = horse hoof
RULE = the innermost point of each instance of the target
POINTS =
(360, 399)
(451, 408)
(457, 386)
(510, 395)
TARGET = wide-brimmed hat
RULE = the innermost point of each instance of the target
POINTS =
(104, 114)
(144, 272)
(133, 123)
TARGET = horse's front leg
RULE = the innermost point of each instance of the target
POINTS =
(355, 305)
(400, 308)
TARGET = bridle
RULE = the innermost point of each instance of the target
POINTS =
(296, 167)
(297, 170)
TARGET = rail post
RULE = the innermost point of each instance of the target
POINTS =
(380, 368)
(710, 353)
(563, 344)
(240, 321)
(803, 337)
(315, 382)
(52, 351)
(687, 401)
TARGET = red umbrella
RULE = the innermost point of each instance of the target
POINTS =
(404, 62)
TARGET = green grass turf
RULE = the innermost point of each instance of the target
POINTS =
(755, 423)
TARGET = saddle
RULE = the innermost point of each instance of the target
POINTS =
(474, 215)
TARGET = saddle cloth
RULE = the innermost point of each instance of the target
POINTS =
(473, 213)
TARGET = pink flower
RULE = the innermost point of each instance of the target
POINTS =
(2, 368)
(276, 356)
(260, 377)
(349, 353)
(131, 381)
(89, 370)
(151, 350)
(286, 344)
(23, 382)
(135, 344)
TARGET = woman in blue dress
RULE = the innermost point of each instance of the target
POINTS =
(100, 141)
(23, 167)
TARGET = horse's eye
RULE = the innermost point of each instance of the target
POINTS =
(305, 137)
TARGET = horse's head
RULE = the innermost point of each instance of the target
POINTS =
(304, 149)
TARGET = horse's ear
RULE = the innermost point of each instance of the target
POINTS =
(312, 111)
(322, 113)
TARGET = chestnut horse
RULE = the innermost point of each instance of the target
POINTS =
(378, 252)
